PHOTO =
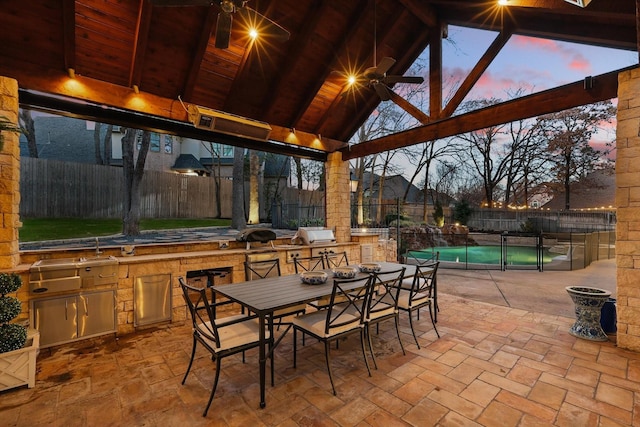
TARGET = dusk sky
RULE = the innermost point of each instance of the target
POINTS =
(532, 64)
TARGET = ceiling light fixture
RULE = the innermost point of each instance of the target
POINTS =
(253, 33)
(581, 3)
(503, 2)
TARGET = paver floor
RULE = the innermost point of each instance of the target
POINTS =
(494, 365)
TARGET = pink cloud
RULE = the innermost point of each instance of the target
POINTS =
(574, 59)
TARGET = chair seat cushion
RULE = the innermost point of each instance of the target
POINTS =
(234, 334)
(315, 322)
(405, 303)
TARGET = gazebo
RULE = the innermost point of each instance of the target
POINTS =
(189, 68)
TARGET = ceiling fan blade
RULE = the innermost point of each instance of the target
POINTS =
(176, 3)
(382, 91)
(265, 25)
(384, 65)
(223, 30)
(403, 79)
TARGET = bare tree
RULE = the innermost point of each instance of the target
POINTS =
(133, 172)
(569, 133)
(238, 220)
(27, 127)
(488, 154)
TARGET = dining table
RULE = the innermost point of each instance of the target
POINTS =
(265, 296)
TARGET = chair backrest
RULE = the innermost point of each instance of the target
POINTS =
(424, 281)
(347, 304)
(311, 263)
(261, 269)
(336, 259)
(202, 315)
(421, 257)
(386, 285)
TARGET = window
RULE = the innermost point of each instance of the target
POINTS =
(168, 144)
(154, 146)
(220, 150)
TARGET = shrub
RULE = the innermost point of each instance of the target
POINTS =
(12, 335)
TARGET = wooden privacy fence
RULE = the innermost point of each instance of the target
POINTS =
(56, 189)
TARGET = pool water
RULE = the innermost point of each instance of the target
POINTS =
(516, 255)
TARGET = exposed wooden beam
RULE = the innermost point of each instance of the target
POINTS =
(422, 11)
(295, 52)
(140, 39)
(435, 72)
(69, 33)
(409, 108)
(83, 90)
(549, 101)
(203, 41)
(357, 19)
(476, 72)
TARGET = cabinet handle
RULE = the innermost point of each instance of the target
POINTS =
(86, 304)
(65, 309)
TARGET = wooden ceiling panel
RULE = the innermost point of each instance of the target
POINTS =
(169, 52)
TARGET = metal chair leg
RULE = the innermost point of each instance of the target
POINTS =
(413, 330)
(364, 353)
(193, 353)
(368, 334)
(328, 359)
(397, 320)
(213, 390)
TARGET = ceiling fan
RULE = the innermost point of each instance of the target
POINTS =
(378, 79)
(225, 18)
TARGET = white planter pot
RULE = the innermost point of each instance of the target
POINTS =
(18, 367)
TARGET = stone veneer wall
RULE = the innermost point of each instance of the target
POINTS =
(628, 213)
(337, 197)
(9, 178)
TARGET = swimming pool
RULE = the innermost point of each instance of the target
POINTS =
(515, 255)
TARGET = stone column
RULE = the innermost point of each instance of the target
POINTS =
(9, 177)
(628, 210)
(337, 197)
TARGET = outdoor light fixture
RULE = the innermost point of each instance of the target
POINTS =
(581, 3)
(136, 89)
(71, 72)
(503, 2)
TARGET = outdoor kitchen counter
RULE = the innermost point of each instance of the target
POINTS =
(170, 261)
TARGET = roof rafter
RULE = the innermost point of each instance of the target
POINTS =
(552, 100)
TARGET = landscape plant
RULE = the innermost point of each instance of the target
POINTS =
(12, 335)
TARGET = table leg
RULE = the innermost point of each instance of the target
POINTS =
(263, 360)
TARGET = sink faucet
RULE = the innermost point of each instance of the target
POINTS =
(98, 251)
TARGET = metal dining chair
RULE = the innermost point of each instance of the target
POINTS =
(418, 292)
(311, 263)
(264, 268)
(426, 258)
(343, 316)
(222, 337)
(383, 303)
(333, 259)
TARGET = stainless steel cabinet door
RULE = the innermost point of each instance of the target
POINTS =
(96, 313)
(56, 320)
(152, 299)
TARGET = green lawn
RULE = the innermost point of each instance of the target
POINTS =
(34, 230)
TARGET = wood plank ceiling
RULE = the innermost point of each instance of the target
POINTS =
(168, 54)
